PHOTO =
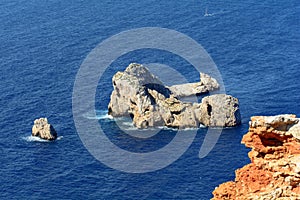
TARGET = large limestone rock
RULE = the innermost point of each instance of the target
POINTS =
(220, 110)
(274, 171)
(130, 87)
(142, 96)
(43, 129)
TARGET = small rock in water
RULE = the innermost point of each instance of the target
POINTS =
(43, 129)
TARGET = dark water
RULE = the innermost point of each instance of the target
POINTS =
(43, 43)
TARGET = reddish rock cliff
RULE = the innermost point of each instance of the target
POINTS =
(274, 171)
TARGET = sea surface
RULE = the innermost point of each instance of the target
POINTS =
(255, 45)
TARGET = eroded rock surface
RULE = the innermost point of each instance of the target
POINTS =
(41, 128)
(142, 96)
(220, 110)
(206, 84)
(131, 86)
(274, 171)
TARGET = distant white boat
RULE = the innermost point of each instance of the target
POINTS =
(206, 13)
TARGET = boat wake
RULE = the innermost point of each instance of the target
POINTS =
(206, 14)
(220, 12)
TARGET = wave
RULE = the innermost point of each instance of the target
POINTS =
(38, 139)
(98, 114)
(126, 123)
(133, 128)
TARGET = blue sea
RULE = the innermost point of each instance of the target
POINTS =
(255, 45)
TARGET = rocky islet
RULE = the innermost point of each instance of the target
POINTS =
(41, 128)
(142, 96)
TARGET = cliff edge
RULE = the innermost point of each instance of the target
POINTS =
(274, 171)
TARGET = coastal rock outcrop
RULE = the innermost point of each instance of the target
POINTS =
(274, 171)
(41, 128)
(142, 96)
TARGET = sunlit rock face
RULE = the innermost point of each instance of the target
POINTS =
(142, 96)
(41, 128)
(274, 171)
